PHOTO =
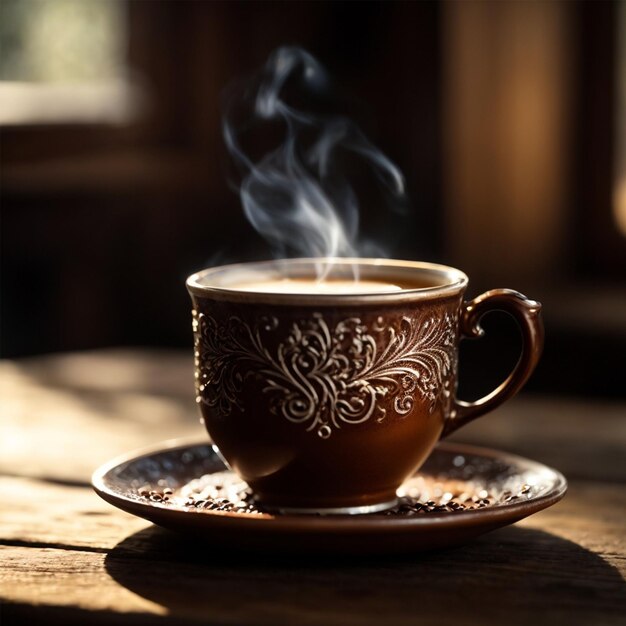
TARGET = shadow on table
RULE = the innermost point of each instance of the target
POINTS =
(513, 575)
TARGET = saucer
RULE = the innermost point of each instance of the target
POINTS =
(460, 492)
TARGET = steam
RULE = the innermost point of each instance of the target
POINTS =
(296, 195)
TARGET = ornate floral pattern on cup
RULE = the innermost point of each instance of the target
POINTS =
(324, 376)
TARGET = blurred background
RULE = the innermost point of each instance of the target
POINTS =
(507, 119)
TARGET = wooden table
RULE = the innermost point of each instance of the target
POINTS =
(67, 557)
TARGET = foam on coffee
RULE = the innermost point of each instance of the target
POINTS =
(322, 276)
(309, 286)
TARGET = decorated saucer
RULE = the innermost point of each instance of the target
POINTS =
(459, 493)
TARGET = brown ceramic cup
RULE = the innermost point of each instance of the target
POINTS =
(328, 402)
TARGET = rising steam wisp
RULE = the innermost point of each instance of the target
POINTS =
(296, 195)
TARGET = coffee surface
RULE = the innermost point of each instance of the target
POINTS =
(310, 286)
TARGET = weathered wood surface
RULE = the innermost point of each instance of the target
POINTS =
(67, 557)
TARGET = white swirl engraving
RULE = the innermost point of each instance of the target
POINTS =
(325, 377)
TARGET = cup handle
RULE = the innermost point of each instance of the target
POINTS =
(527, 313)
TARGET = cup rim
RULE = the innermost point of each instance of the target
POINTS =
(454, 281)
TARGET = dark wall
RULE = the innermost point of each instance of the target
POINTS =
(101, 225)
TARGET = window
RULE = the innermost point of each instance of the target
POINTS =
(64, 61)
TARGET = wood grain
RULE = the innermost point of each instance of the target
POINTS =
(515, 575)
(67, 557)
(96, 406)
(54, 515)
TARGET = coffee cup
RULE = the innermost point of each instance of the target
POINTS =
(325, 383)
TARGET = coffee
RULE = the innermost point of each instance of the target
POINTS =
(312, 286)
(331, 277)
